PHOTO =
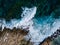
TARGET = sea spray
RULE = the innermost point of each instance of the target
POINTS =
(39, 29)
(26, 15)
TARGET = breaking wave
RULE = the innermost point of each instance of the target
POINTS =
(39, 28)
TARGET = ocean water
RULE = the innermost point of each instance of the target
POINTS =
(41, 17)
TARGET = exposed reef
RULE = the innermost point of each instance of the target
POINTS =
(13, 37)
(16, 37)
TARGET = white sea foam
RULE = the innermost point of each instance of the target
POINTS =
(39, 29)
(27, 15)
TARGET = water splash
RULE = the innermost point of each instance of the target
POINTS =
(39, 29)
(27, 15)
